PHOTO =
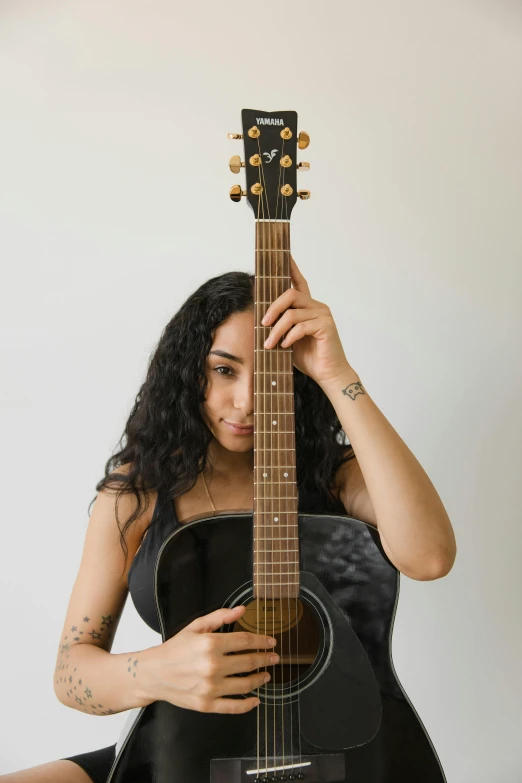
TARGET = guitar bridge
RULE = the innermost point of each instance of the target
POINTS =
(324, 768)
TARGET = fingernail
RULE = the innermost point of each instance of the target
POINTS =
(272, 640)
(264, 319)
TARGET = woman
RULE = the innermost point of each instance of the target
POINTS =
(182, 459)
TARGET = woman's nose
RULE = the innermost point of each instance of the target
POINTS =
(245, 396)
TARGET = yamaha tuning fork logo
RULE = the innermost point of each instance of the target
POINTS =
(269, 121)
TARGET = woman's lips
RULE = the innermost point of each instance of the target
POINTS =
(239, 430)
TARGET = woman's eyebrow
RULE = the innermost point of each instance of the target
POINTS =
(226, 355)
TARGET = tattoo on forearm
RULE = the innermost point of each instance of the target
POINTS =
(131, 667)
(78, 692)
(353, 389)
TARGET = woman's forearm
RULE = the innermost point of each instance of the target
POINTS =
(410, 515)
(92, 680)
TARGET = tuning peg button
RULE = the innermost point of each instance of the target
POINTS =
(303, 194)
(304, 166)
(303, 140)
(236, 193)
(235, 164)
(235, 135)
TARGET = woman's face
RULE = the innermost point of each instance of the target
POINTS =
(230, 390)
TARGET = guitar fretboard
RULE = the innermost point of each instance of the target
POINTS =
(276, 539)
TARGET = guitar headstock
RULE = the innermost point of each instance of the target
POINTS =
(270, 141)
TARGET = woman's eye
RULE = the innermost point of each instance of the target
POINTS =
(222, 367)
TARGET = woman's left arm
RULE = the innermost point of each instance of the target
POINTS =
(415, 530)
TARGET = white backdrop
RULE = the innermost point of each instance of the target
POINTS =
(114, 207)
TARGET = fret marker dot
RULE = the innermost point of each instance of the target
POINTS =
(276, 519)
(265, 475)
(273, 383)
(285, 474)
(274, 422)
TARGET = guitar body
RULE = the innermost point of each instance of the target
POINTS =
(334, 712)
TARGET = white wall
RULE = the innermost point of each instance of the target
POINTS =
(114, 207)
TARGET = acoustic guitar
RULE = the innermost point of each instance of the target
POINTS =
(334, 709)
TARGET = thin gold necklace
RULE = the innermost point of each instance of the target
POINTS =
(208, 493)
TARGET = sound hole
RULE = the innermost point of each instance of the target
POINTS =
(296, 628)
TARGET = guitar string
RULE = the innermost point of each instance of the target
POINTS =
(261, 255)
(296, 556)
(282, 171)
(265, 257)
(258, 526)
(286, 498)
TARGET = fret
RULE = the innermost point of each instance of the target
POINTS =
(280, 497)
(277, 562)
(273, 482)
(278, 551)
(275, 511)
(279, 392)
(280, 584)
(279, 538)
(279, 573)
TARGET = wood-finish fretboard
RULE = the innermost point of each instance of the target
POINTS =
(276, 540)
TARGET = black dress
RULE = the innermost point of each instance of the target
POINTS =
(98, 763)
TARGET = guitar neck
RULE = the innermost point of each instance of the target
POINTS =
(276, 539)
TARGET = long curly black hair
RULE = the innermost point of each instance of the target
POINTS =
(166, 437)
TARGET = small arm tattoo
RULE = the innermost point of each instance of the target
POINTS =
(101, 634)
(353, 389)
(131, 667)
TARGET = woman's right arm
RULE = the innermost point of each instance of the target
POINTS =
(88, 677)
(193, 669)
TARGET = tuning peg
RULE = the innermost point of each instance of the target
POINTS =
(303, 140)
(236, 193)
(235, 164)
(304, 166)
(235, 135)
(303, 194)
